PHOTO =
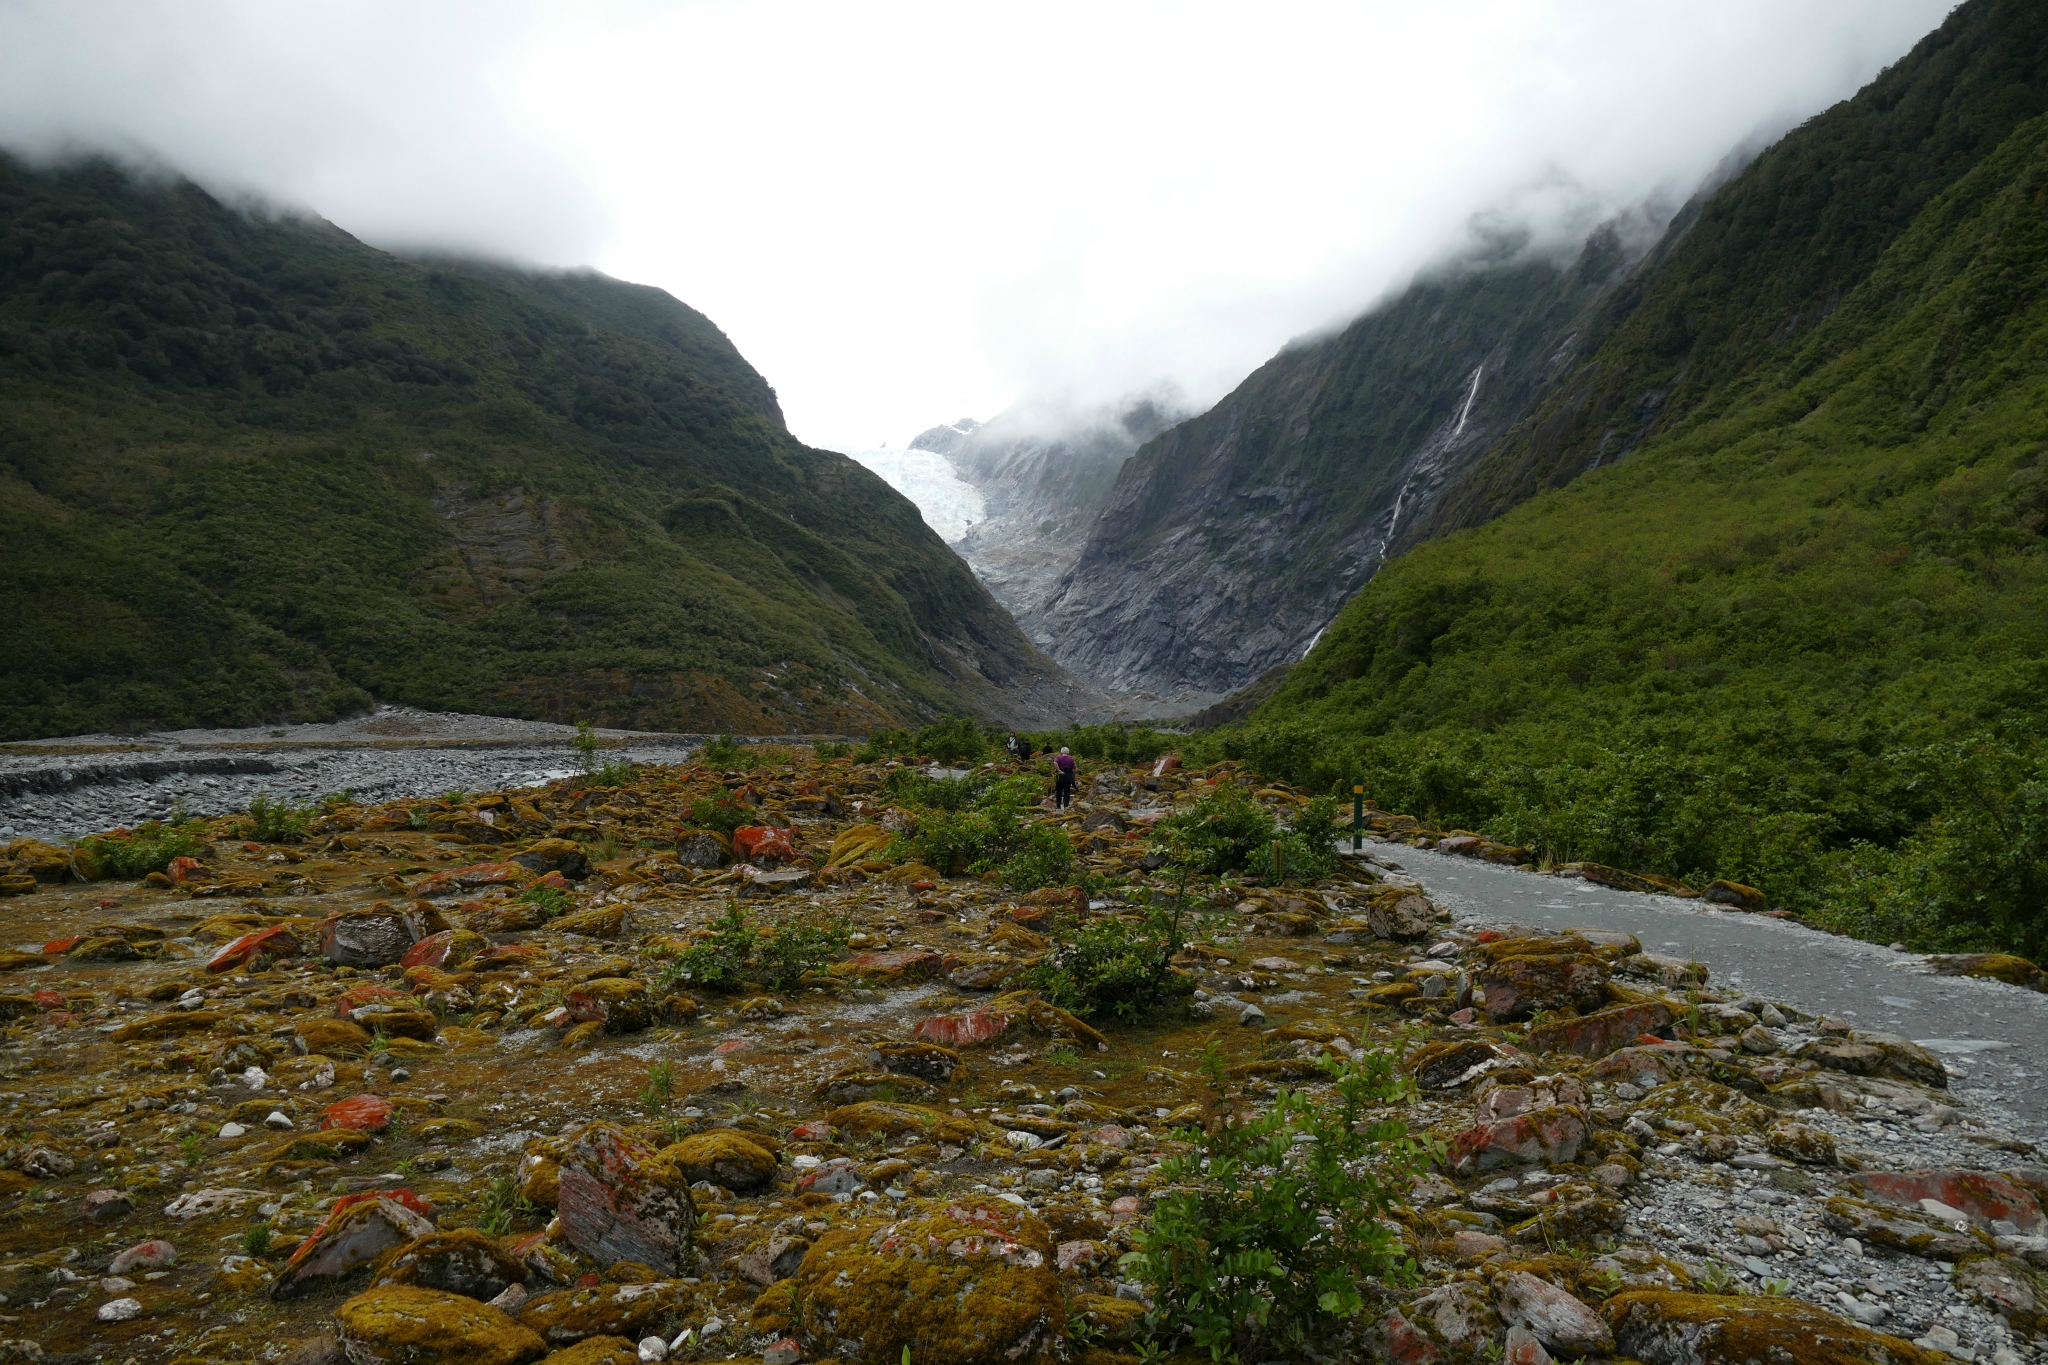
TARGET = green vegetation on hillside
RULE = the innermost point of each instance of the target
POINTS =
(1800, 640)
(251, 470)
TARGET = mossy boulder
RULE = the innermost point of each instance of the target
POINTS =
(466, 1262)
(596, 1351)
(332, 1037)
(879, 1118)
(1517, 987)
(724, 1157)
(609, 1310)
(1662, 1327)
(401, 1325)
(970, 1284)
(2014, 971)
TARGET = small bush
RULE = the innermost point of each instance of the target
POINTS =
(885, 744)
(1311, 847)
(1225, 831)
(276, 822)
(720, 813)
(551, 900)
(737, 954)
(1122, 965)
(1041, 856)
(952, 741)
(721, 753)
(139, 852)
(1275, 1221)
(335, 800)
(829, 751)
(614, 774)
(586, 745)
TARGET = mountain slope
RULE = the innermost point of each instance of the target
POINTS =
(1043, 482)
(1775, 252)
(252, 469)
(1230, 540)
(1797, 639)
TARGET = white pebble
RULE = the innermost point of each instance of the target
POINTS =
(119, 1310)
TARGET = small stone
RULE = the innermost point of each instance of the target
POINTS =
(1559, 1321)
(119, 1310)
(1758, 1040)
(232, 1130)
(654, 1348)
(278, 1119)
(1252, 1016)
(783, 1352)
(1468, 1245)
(1522, 1348)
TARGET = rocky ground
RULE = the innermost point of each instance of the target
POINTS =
(426, 1085)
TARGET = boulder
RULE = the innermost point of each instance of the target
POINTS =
(965, 1283)
(1453, 1322)
(364, 1113)
(2014, 971)
(1877, 1054)
(1018, 1009)
(776, 1258)
(597, 1351)
(466, 1262)
(1983, 1196)
(924, 1061)
(401, 1325)
(902, 965)
(624, 1005)
(565, 1316)
(330, 1037)
(1725, 892)
(1603, 1032)
(1402, 917)
(447, 949)
(701, 848)
(1915, 1233)
(357, 1230)
(621, 1200)
(1517, 987)
(763, 844)
(1661, 1327)
(554, 855)
(597, 921)
(2007, 1287)
(375, 937)
(1554, 1317)
(1542, 1137)
(276, 941)
(724, 1156)
(878, 1118)
(1802, 1143)
(1443, 1065)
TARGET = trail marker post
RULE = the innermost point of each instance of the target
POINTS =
(1357, 817)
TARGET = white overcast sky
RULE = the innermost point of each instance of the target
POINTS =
(907, 213)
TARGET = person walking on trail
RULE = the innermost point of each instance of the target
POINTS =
(1012, 746)
(1063, 767)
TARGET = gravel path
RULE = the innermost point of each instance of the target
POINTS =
(1994, 1037)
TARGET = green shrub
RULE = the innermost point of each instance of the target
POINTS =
(969, 841)
(1040, 856)
(551, 900)
(586, 745)
(953, 741)
(722, 753)
(913, 787)
(736, 954)
(830, 750)
(150, 848)
(1274, 1223)
(1122, 965)
(1223, 831)
(721, 813)
(1116, 743)
(1311, 845)
(883, 745)
(614, 774)
(276, 822)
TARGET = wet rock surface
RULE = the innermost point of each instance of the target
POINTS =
(491, 1121)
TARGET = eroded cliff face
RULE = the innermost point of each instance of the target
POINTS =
(1228, 542)
(1044, 479)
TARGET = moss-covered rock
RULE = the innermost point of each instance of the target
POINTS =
(1661, 1327)
(877, 1118)
(615, 1310)
(620, 1200)
(595, 1351)
(466, 1262)
(725, 1157)
(969, 1284)
(401, 1325)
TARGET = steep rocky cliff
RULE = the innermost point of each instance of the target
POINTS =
(1229, 541)
(1044, 478)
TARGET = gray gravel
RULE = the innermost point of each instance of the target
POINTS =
(1993, 1037)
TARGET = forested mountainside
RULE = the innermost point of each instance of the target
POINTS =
(1230, 540)
(1774, 253)
(251, 469)
(1044, 481)
(1799, 637)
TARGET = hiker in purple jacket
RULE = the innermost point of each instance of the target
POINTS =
(1063, 768)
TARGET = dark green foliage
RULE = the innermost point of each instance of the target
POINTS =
(978, 823)
(914, 787)
(1311, 843)
(147, 849)
(721, 813)
(1117, 743)
(829, 750)
(952, 741)
(616, 773)
(723, 753)
(253, 470)
(736, 954)
(277, 822)
(1041, 856)
(1120, 965)
(1265, 1244)
(1796, 641)
(1223, 831)
(883, 745)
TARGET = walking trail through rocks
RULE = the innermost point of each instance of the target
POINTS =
(447, 1080)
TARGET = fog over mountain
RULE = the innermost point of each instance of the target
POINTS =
(913, 211)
